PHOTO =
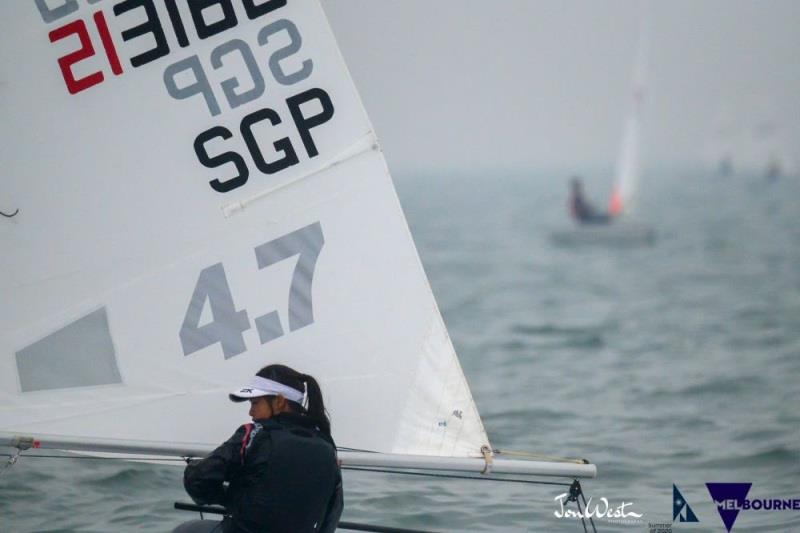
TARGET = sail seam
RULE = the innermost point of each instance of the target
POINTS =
(365, 144)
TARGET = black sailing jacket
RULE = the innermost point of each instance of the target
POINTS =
(277, 475)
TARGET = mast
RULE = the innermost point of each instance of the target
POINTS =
(629, 159)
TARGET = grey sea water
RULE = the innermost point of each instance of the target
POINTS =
(676, 363)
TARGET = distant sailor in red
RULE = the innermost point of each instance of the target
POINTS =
(580, 209)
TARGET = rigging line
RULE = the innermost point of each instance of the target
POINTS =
(9, 215)
(346, 449)
(554, 458)
(591, 521)
(97, 457)
(580, 511)
(454, 476)
(353, 526)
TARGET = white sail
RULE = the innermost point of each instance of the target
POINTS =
(201, 194)
(628, 165)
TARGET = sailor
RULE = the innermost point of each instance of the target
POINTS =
(581, 210)
(279, 473)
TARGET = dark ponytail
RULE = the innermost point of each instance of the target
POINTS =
(316, 407)
(294, 379)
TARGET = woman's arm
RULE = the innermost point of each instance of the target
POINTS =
(204, 479)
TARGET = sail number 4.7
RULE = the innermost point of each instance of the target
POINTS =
(229, 324)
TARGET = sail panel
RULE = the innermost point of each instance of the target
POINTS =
(628, 165)
(139, 298)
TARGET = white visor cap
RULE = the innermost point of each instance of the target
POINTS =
(259, 386)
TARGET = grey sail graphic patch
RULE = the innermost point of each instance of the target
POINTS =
(80, 354)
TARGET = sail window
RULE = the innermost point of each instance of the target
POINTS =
(80, 354)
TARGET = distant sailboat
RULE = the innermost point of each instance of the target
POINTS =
(622, 228)
(192, 213)
(720, 146)
(622, 203)
(769, 156)
(756, 145)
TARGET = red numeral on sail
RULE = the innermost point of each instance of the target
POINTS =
(86, 50)
(108, 44)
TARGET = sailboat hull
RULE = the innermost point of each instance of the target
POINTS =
(627, 234)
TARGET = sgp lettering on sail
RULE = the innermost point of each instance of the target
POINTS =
(295, 108)
(263, 57)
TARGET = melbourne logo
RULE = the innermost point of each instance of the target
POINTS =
(729, 499)
(680, 508)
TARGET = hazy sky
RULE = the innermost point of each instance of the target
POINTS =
(515, 84)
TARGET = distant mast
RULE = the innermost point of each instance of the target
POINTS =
(629, 161)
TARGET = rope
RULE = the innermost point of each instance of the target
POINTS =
(9, 215)
(552, 458)
(487, 456)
